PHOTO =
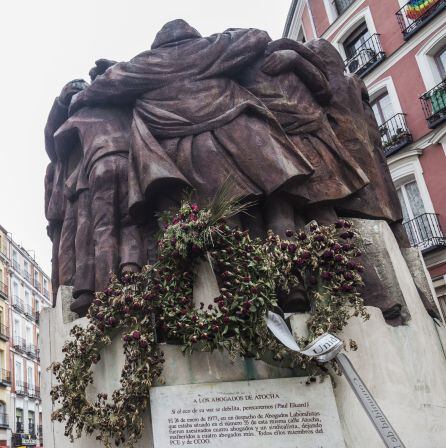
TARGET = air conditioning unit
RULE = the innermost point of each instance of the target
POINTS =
(353, 65)
(361, 59)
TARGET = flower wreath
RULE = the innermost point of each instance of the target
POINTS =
(159, 301)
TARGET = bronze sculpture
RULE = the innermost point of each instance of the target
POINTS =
(275, 116)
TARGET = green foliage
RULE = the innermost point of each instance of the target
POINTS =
(159, 302)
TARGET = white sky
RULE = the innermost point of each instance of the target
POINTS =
(46, 43)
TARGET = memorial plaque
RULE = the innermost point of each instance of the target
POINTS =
(280, 413)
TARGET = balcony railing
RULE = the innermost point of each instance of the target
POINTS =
(342, 5)
(46, 293)
(20, 389)
(4, 332)
(425, 232)
(27, 389)
(27, 275)
(433, 103)
(415, 14)
(367, 56)
(3, 290)
(5, 377)
(395, 134)
(33, 392)
(18, 304)
(4, 420)
(19, 344)
(32, 350)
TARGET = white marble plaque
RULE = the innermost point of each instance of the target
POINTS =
(279, 413)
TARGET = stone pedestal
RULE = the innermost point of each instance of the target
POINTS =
(404, 366)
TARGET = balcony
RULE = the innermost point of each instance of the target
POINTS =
(19, 344)
(3, 290)
(5, 377)
(395, 134)
(32, 351)
(433, 103)
(4, 332)
(415, 14)
(19, 439)
(27, 389)
(18, 304)
(4, 421)
(367, 57)
(20, 389)
(33, 392)
(342, 5)
(425, 232)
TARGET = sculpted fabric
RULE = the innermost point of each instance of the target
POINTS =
(280, 119)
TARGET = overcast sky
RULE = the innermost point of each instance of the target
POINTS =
(46, 43)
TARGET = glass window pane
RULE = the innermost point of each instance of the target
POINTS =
(440, 59)
(386, 107)
(415, 201)
(403, 205)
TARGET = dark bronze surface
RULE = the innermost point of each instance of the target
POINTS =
(282, 119)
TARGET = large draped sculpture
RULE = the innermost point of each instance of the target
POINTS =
(280, 119)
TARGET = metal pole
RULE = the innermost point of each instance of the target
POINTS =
(377, 417)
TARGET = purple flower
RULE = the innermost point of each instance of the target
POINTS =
(348, 275)
(292, 248)
(302, 236)
(289, 233)
(328, 254)
(305, 254)
(136, 335)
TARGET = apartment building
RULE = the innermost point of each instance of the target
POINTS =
(5, 369)
(398, 48)
(24, 291)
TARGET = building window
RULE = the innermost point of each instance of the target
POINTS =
(382, 108)
(15, 292)
(3, 415)
(363, 50)
(423, 229)
(19, 420)
(356, 40)
(31, 422)
(342, 5)
(440, 61)
(392, 126)
(18, 374)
